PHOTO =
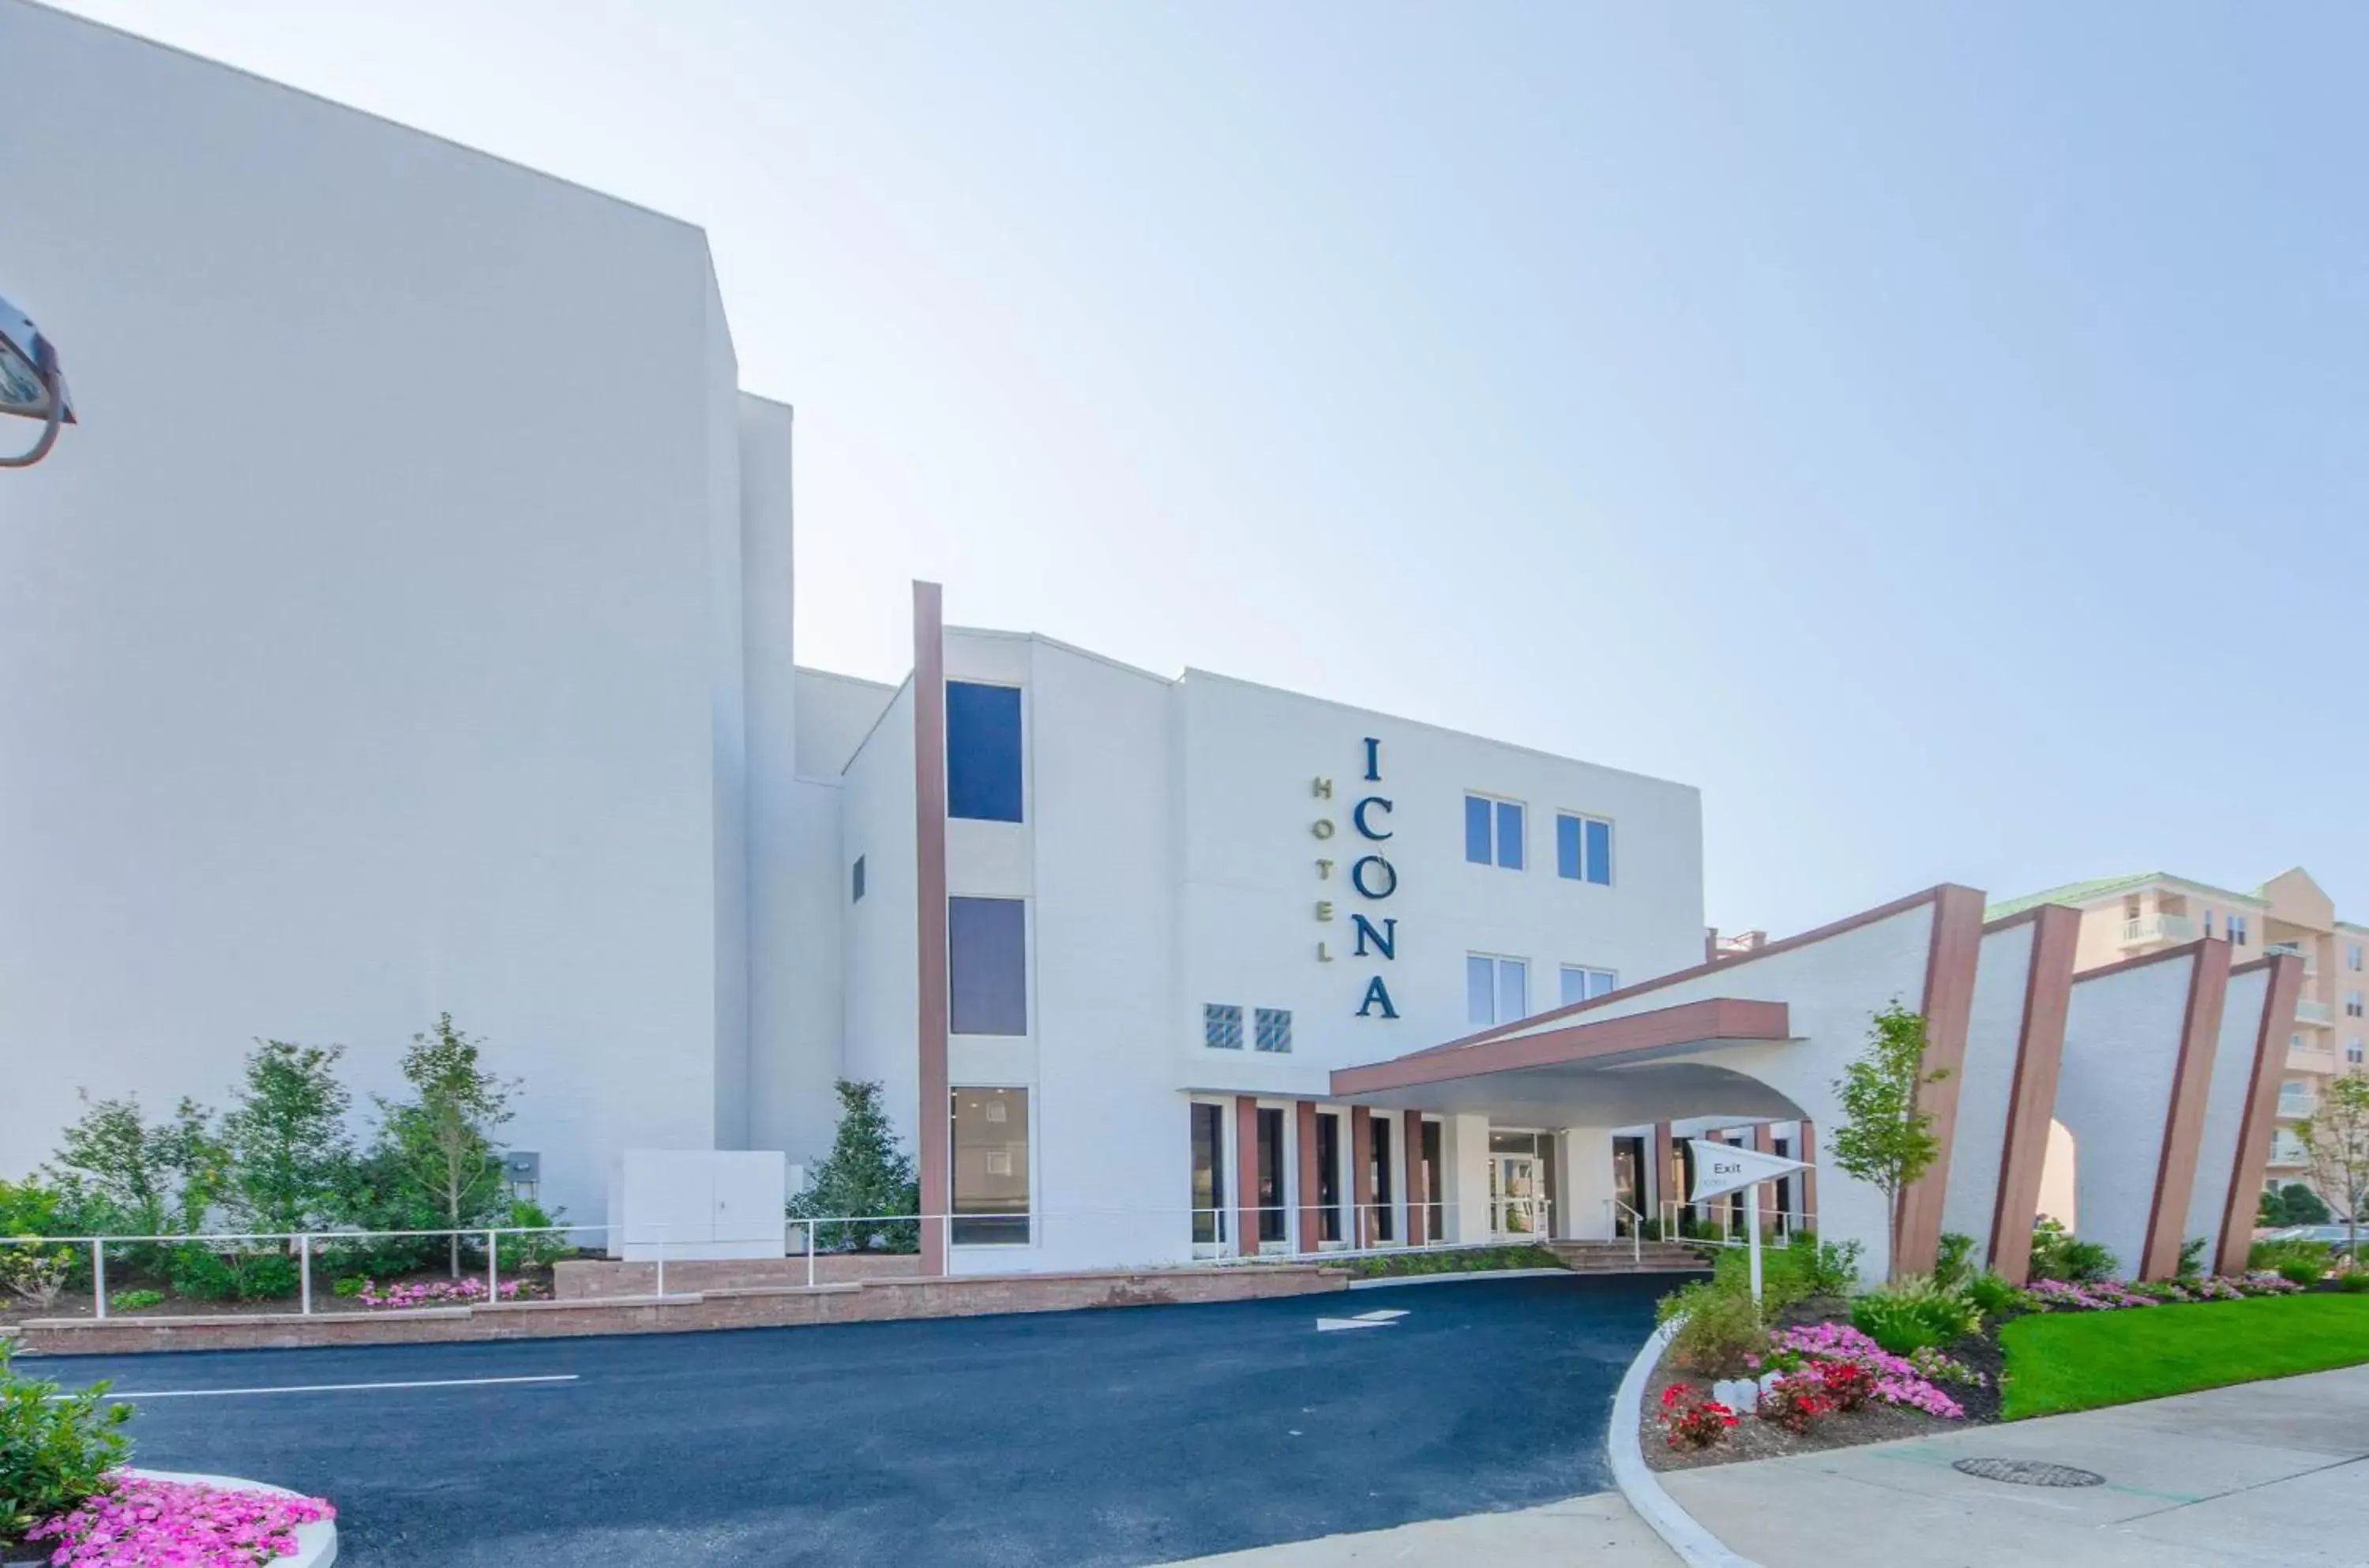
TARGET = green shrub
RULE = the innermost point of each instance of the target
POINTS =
(30, 1208)
(133, 1300)
(2300, 1255)
(2299, 1271)
(1722, 1326)
(2355, 1280)
(2192, 1259)
(1992, 1295)
(350, 1284)
(2057, 1254)
(1468, 1260)
(202, 1274)
(54, 1449)
(1954, 1263)
(1833, 1265)
(1914, 1312)
(533, 1248)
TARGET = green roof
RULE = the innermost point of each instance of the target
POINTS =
(2079, 893)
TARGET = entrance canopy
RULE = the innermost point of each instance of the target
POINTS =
(1643, 1067)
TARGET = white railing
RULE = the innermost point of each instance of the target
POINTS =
(2310, 1012)
(1720, 1223)
(1375, 1230)
(2288, 1149)
(2297, 1105)
(1618, 1210)
(2157, 928)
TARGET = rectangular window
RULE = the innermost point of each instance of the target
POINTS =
(2352, 956)
(1209, 1174)
(2237, 931)
(987, 966)
(1492, 832)
(991, 1134)
(1221, 1026)
(2353, 1052)
(855, 881)
(1435, 1207)
(1273, 1029)
(982, 752)
(2352, 1007)
(1328, 1175)
(1382, 1230)
(1582, 848)
(1586, 985)
(1270, 1175)
(2208, 923)
(1496, 990)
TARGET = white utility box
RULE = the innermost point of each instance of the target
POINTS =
(697, 1203)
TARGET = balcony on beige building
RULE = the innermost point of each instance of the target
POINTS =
(2296, 1103)
(2311, 1058)
(2146, 929)
(2295, 949)
(2287, 1149)
(2310, 1012)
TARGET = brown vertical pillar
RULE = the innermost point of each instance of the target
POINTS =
(1764, 1138)
(2184, 1121)
(2261, 1113)
(2031, 1102)
(1361, 1175)
(932, 1124)
(1311, 1230)
(1418, 1181)
(1951, 960)
(1246, 1182)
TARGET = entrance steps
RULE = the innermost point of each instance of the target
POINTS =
(1619, 1257)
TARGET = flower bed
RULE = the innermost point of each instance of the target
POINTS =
(433, 1292)
(141, 1521)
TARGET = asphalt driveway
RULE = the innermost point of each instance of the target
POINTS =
(1103, 1439)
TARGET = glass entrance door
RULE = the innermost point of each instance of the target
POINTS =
(1513, 1194)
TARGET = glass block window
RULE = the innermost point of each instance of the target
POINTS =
(1221, 1026)
(1274, 1025)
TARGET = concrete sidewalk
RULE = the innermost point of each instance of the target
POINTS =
(2273, 1472)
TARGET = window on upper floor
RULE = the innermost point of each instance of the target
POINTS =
(1271, 1028)
(1492, 832)
(2352, 1007)
(1496, 990)
(1584, 849)
(2237, 930)
(2352, 1051)
(987, 966)
(2208, 922)
(855, 882)
(1582, 984)
(983, 752)
(2352, 956)
(1221, 1026)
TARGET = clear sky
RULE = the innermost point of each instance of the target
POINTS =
(1938, 433)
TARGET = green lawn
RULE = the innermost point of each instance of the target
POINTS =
(2061, 1361)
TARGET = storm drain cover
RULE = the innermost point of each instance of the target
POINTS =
(2029, 1472)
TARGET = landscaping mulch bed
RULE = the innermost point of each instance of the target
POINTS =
(15, 1312)
(1753, 1438)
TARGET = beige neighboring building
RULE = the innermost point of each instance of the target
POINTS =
(2129, 917)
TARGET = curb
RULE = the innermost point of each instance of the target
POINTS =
(1459, 1278)
(1696, 1546)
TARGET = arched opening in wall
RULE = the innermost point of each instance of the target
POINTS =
(2058, 1175)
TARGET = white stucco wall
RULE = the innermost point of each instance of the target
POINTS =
(834, 713)
(365, 659)
(879, 956)
(1986, 1084)
(2225, 1106)
(2122, 1046)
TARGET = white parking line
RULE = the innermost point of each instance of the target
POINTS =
(342, 1388)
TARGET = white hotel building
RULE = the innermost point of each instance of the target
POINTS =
(328, 706)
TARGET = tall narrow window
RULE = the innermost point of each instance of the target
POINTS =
(2237, 930)
(1381, 1228)
(1436, 1205)
(1328, 1175)
(987, 966)
(1209, 1174)
(990, 1136)
(1496, 990)
(983, 752)
(1582, 848)
(855, 882)
(1492, 832)
(1270, 1175)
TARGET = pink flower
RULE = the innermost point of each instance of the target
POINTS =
(138, 1522)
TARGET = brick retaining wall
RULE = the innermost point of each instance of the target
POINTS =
(867, 1301)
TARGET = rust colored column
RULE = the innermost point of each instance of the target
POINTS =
(932, 1125)
(2184, 1122)
(1246, 1199)
(1418, 1182)
(1764, 1138)
(2032, 1097)
(2261, 1116)
(1808, 1155)
(1312, 1228)
(1948, 1005)
(1361, 1175)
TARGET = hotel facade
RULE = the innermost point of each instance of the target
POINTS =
(329, 712)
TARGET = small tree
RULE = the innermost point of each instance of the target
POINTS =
(440, 1143)
(123, 1173)
(289, 1151)
(865, 1173)
(2336, 1141)
(1885, 1140)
